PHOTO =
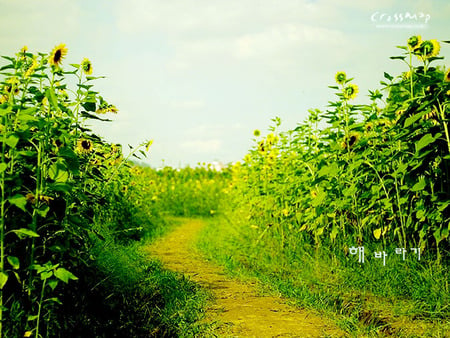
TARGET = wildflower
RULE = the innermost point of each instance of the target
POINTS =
(30, 197)
(400, 112)
(285, 212)
(57, 54)
(368, 127)
(124, 189)
(12, 86)
(261, 147)
(86, 66)
(313, 193)
(24, 49)
(350, 91)
(107, 109)
(432, 115)
(407, 75)
(31, 67)
(351, 140)
(428, 49)
(84, 146)
(3, 99)
(247, 158)
(256, 132)
(340, 77)
(448, 92)
(447, 75)
(414, 42)
(271, 139)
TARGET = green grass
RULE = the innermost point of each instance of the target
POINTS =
(132, 295)
(369, 299)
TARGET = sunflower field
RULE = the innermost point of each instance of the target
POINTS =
(377, 174)
(348, 182)
(57, 180)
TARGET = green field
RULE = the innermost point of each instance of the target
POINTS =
(347, 214)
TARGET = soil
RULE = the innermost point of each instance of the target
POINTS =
(239, 309)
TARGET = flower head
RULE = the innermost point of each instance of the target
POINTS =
(340, 77)
(350, 91)
(86, 66)
(447, 75)
(428, 49)
(414, 42)
(351, 140)
(256, 132)
(31, 67)
(84, 146)
(58, 53)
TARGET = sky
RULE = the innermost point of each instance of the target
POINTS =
(197, 77)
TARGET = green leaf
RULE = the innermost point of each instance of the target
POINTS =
(64, 275)
(419, 185)
(43, 210)
(19, 201)
(46, 274)
(387, 76)
(25, 233)
(14, 262)
(62, 187)
(410, 120)
(54, 299)
(57, 172)
(50, 94)
(3, 279)
(12, 141)
(397, 57)
(53, 283)
(3, 167)
(424, 141)
(89, 106)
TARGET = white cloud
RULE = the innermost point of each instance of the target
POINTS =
(202, 146)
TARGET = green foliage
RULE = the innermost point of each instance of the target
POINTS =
(55, 175)
(377, 174)
(179, 192)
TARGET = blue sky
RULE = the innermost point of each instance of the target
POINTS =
(198, 77)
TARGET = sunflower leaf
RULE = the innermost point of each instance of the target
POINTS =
(397, 57)
(25, 233)
(19, 201)
(387, 76)
(424, 141)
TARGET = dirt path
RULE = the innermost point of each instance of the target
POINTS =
(239, 308)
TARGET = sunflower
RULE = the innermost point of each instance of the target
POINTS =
(428, 49)
(340, 77)
(12, 86)
(84, 146)
(414, 42)
(351, 140)
(447, 75)
(107, 109)
(256, 132)
(368, 127)
(86, 66)
(350, 91)
(30, 68)
(57, 54)
(261, 146)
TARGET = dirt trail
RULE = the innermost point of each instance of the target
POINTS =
(239, 308)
